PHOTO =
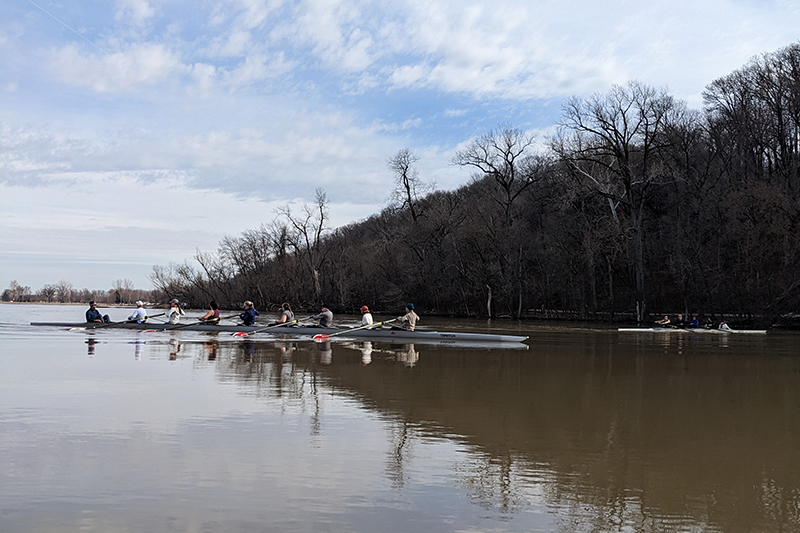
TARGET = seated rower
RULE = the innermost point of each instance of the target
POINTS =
(325, 317)
(409, 320)
(366, 316)
(139, 314)
(286, 315)
(175, 312)
(250, 314)
(213, 313)
(93, 315)
(664, 321)
(694, 323)
(679, 323)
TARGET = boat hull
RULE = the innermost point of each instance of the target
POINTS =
(377, 334)
(694, 330)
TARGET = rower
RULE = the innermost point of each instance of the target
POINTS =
(409, 320)
(664, 321)
(139, 314)
(286, 315)
(250, 314)
(213, 313)
(93, 315)
(679, 323)
(175, 312)
(325, 317)
(366, 316)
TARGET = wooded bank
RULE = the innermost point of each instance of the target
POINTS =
(638, 205)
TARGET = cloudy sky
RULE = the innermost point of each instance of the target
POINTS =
(134, 132)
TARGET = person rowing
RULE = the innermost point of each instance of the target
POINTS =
(679, 322)
(212, 315)
(325, 317)
(286, 315)
(409, 320)
(250, 314)
(366, 316)
(93, 315)
(139, 314)
(175, 312)
(664, 321)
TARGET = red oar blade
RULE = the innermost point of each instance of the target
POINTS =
(240, 334)
(320, 337)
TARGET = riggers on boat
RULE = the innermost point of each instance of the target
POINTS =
(377, 334)
(693, 330)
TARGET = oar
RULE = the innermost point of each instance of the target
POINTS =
(179, 326)
(107, 324)
(265, 328)
(323, 336)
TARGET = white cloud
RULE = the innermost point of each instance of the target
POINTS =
(135, 11)
(141, 64)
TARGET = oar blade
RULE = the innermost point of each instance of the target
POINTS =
(320, 337)
(240, 334)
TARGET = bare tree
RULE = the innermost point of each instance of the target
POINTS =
(305, 237)
(613, 144)
(408, 185)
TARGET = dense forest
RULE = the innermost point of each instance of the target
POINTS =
(638, 205)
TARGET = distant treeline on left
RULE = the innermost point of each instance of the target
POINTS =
(122, 291)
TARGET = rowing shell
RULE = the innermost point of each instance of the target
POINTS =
(382, 334)
(692, 330)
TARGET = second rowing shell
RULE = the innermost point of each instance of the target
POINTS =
(692, 330)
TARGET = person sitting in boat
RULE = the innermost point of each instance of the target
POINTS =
(709, 323)
(694, 323)
(175, 312)
(325, 317)
(679, 323)
(213, 313)
(250, 314)
(724, 326)
(664, 321)
(409, 320)
(139, 314)
(366, 316)
(93, 315)
(286, 315)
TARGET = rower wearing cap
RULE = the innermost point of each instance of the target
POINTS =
(325, 317)
(213, 313)
(93, 315)
(409, 320)
(175, 312)
(366, 316)
(139, 314)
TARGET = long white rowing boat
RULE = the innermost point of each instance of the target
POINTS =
(377, 334)
(693, 330)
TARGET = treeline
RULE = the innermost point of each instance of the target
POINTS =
(121, 292)
(637, 205)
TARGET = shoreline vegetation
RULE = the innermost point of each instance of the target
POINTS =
(637, 204)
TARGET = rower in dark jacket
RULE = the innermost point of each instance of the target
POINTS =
(250, 314)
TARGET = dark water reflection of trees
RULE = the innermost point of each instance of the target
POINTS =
(634, 436)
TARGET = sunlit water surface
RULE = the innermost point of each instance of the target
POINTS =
(580, 430)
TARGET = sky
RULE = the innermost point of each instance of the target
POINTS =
(135, 132)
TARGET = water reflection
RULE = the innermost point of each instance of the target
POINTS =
(593, 430)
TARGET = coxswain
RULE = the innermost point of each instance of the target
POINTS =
(250, 314)
(409, 320)
(213, 313)
(93, 315)
(366, 316)
(139, 314)
(325, 317)
(175, 312)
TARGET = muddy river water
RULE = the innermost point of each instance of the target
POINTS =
(579, 429)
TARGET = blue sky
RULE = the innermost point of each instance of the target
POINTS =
(134, 132)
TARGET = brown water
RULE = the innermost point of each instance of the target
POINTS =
(586, 430)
